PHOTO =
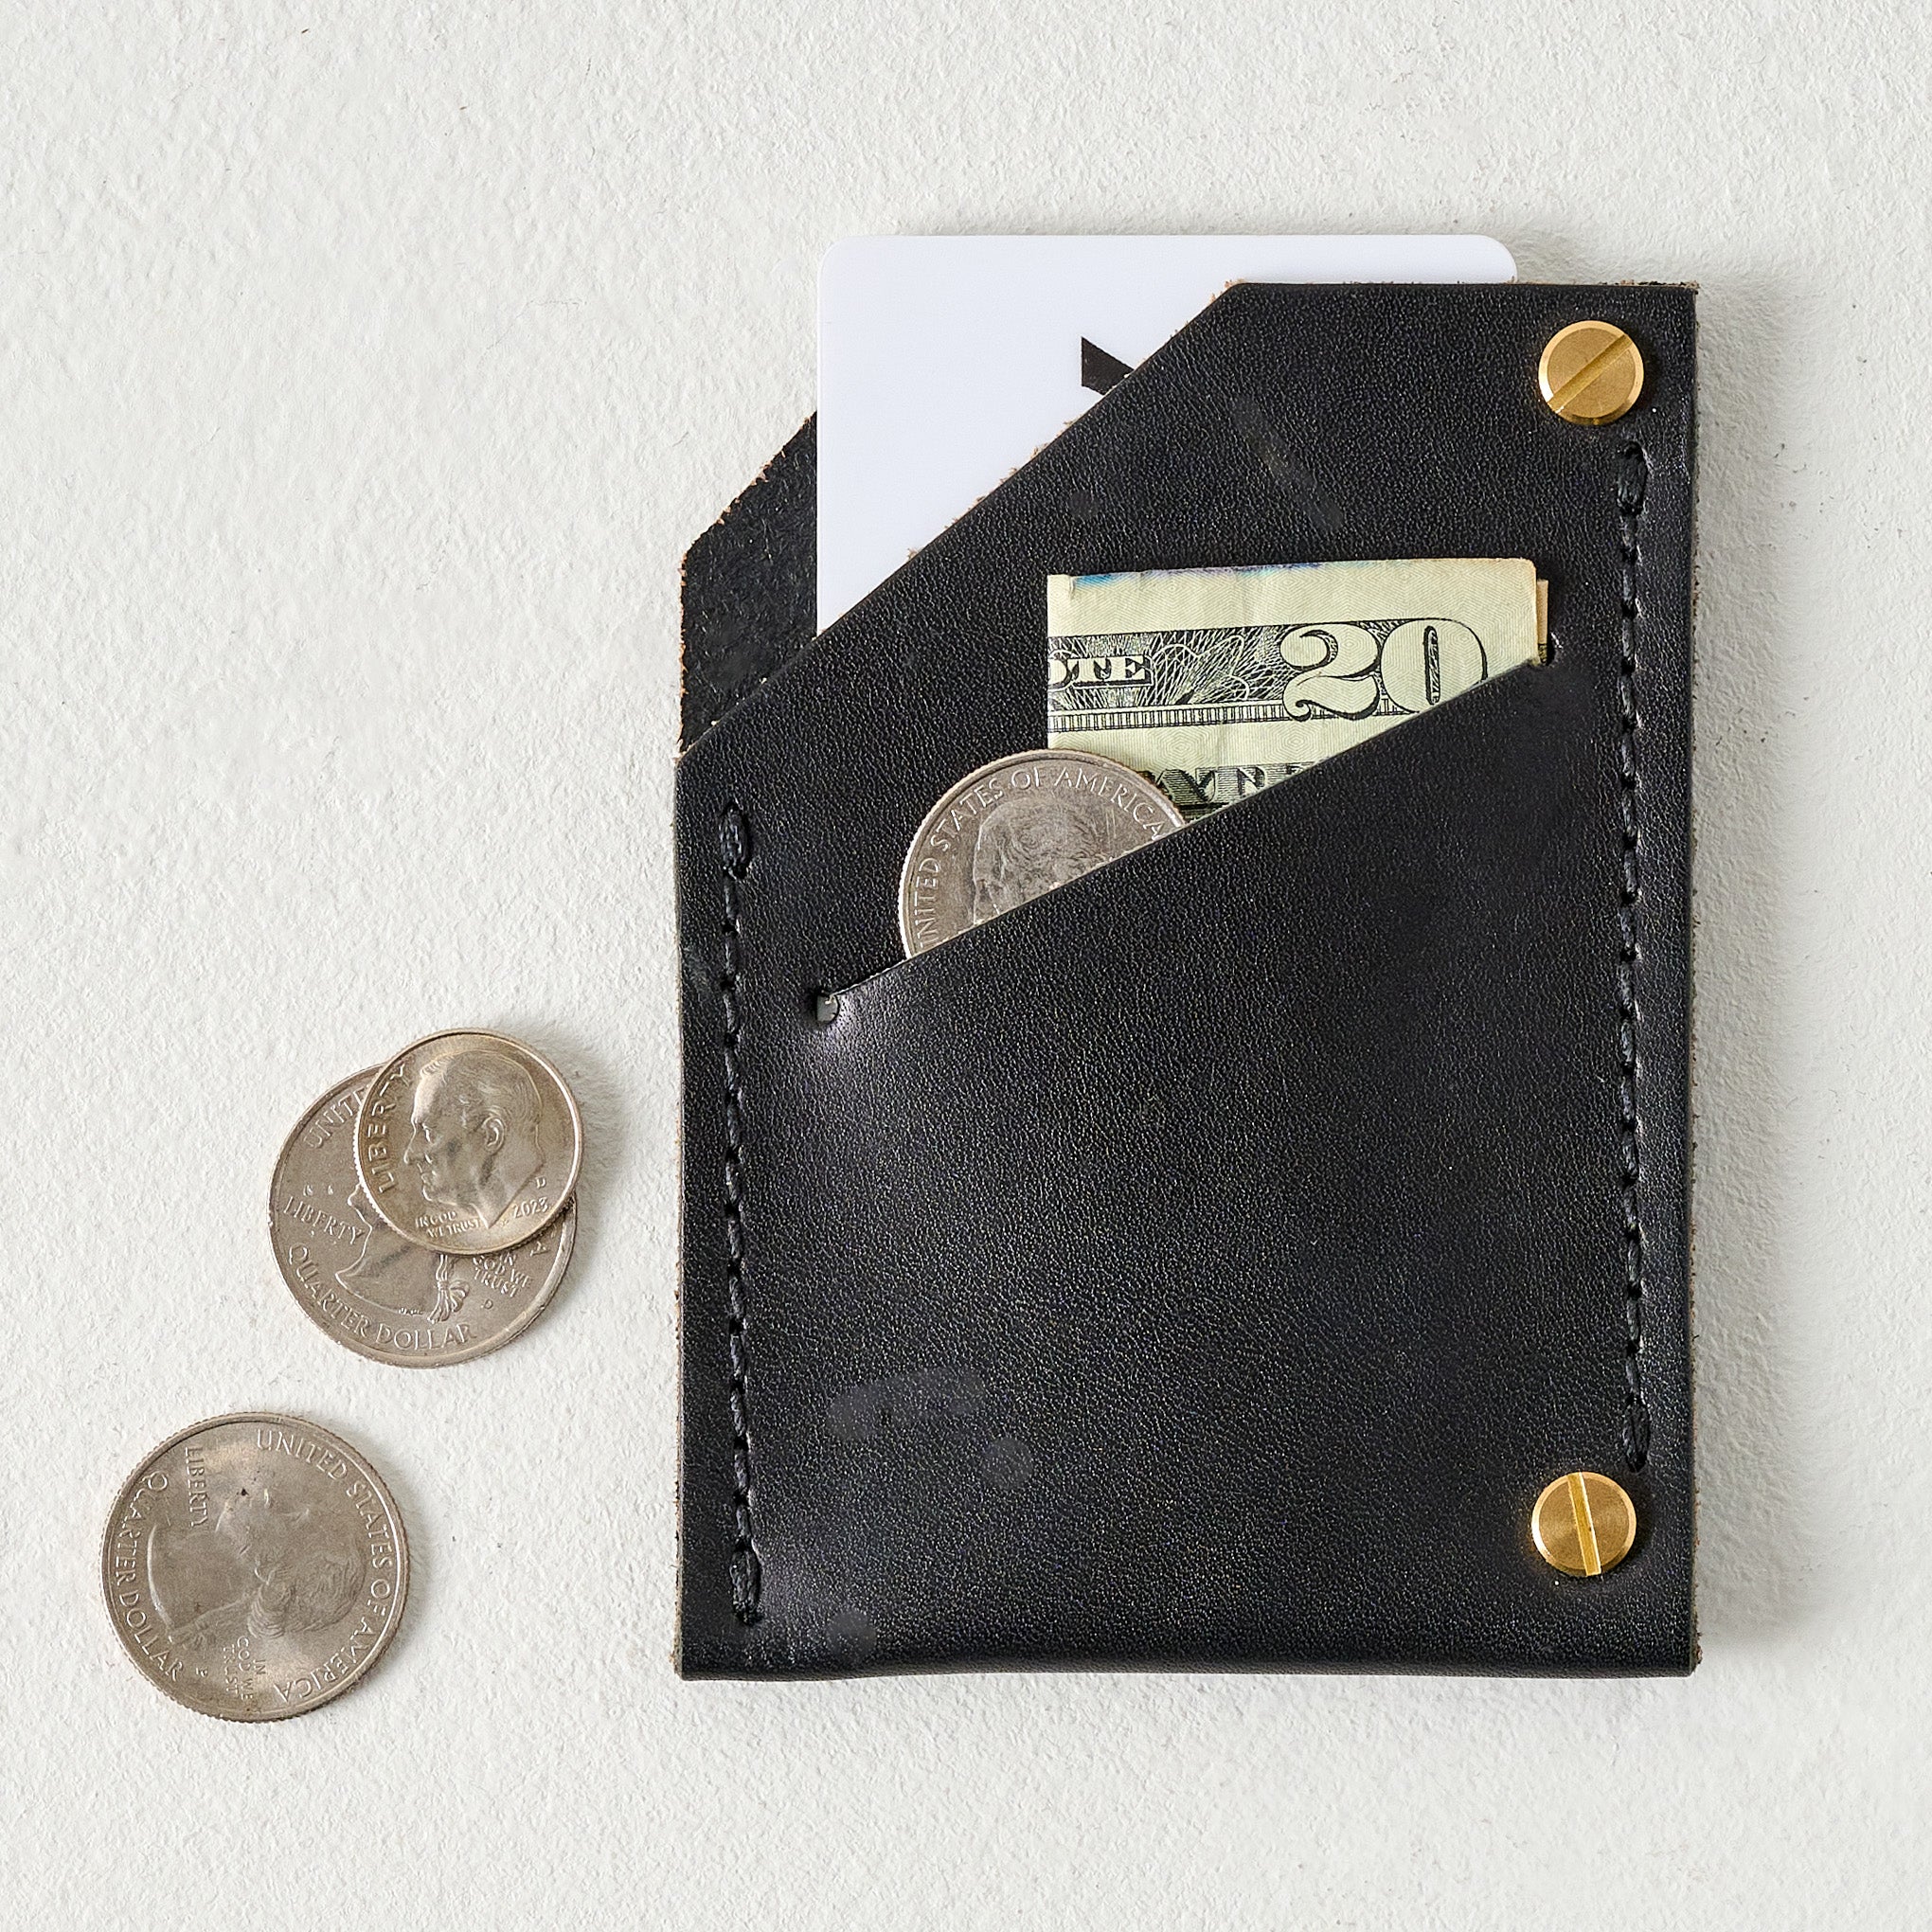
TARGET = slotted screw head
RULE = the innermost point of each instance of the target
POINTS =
(1591, 372)
(1583, 1524)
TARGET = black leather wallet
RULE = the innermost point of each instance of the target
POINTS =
(1209, 1263)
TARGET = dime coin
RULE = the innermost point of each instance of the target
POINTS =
(468, 1143)
(255, 1566)
(384, 1296)
(1017, 828)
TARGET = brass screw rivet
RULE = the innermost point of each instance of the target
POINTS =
(1583, 1524)
(1590, 372)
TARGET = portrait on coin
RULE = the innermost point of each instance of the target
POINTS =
(264, 1568)
(397, 1275)
(1027, 845)
(475, 1124)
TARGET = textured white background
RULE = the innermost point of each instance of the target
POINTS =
(363, 370)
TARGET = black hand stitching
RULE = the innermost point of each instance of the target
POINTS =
(1632, 477)
(734, 850)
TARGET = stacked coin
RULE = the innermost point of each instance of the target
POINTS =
(423, 1212)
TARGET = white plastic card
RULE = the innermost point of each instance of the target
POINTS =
(944, 362)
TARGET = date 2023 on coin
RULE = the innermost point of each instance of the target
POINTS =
(370, 1290)
(468, 1143)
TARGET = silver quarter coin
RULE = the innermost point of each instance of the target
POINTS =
(255, 1566)
(468, 1143)
(384, 1296)
(1017, 828)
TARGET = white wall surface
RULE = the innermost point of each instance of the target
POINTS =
(364, 371)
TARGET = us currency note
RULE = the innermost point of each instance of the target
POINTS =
(1217, 683)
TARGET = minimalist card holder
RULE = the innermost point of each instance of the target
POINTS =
(1270, 1249)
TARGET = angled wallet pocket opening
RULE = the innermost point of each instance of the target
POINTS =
(1313, 823)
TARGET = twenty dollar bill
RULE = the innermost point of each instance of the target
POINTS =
(1216, 683)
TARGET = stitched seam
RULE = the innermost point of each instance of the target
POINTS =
(734, 852)
(1633, 475)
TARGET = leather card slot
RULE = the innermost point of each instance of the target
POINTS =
(1157, 877)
